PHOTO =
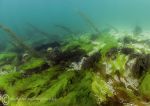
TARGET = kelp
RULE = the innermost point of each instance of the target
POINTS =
(106, 77)
(88, 21)
(141, 65)
(65, 28)
(18, 41)
(137, 30)
(37, 30)
(113, 28)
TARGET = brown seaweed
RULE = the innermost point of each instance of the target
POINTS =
(65, 28)
(90, 61)
(113, 28)
(19, 42)
(88, 20)
(127, 51)
(57, 56)
(137, 30)
(37, 30)
(112, 53)
(141, 65)
(44, 47)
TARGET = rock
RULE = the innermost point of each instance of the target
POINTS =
(127, 51)
(112, 53)
(69, 55)
(55, 55)
(90, 61)
(73, 54)
(141, 65)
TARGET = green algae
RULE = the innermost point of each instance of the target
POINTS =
(83, 42)
(7, 57)
(109, 42)
(119, 64)
(57, 86)
(145, 87)
(32, 63)
(101, 89)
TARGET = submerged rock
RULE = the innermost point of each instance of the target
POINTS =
(141, 65)
(112, 52)
(127, 51)
(90, 61)
(57, 56)
(74, 54)
(86, 62)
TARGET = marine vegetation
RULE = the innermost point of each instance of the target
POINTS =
(76, 71)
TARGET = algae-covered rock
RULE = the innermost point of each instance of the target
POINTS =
(90, 61)
(127, 51)
(141, 65)
(103, 78)
(70, 54)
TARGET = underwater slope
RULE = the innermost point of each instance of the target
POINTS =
(110, 69)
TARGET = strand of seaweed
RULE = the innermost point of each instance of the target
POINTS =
(18, 40)
(66, 29)
(36, 29)
(88, 20)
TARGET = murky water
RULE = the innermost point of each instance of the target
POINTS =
(74, 52)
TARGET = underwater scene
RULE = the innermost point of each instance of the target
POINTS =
(74, 53)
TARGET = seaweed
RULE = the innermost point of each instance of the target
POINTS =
(112, 52)
(18, 41)
(144, 87)
(88, 21)
(113, 28)
(2, 47)
(45, 46)
(103, 78)
(137, 30)
(128, 40)
(66, 29)
(37, 30)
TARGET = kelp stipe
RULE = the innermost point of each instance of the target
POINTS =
(88, 21)
(18, 41)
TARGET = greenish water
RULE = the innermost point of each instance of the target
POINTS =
(45, 14)
(74, 53)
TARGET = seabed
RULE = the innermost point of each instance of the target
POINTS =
(109, 68)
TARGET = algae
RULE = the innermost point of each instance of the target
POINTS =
(107, 79)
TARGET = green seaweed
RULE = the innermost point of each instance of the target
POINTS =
(145, 87)
(32, 63)
(57, 85)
